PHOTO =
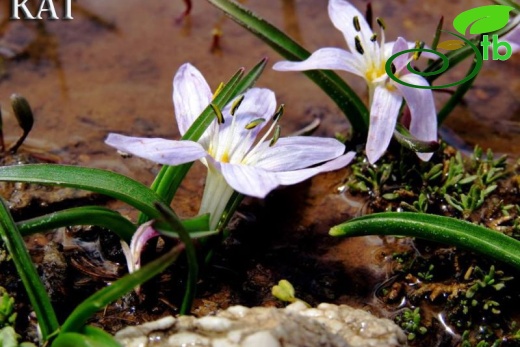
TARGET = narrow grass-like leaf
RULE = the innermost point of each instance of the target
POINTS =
(106, 218)
(512, 3)
(407, 140)
(100, 181)
(97, 301)
(346, 99)
(90, 336)
(457, 97)
(31, 281)
(193, 266)
(436, 37)
(459, 55)
(85, 215)
(229, 210)
(441, 229)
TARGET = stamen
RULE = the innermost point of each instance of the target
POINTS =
(219, 89)
(368, 15)
(356, 24)
(373, 38)
(276, 136)
(381, 23)
(236, 104)
(218, 113)
(279, 113)
(254, 123)
(276, 117)
(418, 45)
(359, 47)
(393, 68)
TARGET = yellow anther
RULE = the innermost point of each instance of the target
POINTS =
(219, 89)
(236, 104)
(218, 113)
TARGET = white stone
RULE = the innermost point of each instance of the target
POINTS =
(212, 323)
(146, 328)
(260, 339)
(185, 339)
(294, 326)
(238, 310)
(297, 306)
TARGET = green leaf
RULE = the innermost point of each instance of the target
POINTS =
(38, 297)
(284, 291)
(483, 19)
(459, 55)
(435, 228)
(193, 268)
(85, 215)
(103, 217)
(89, 337)
(340, 92)
(100, 181)
(407, 140)
(457, 97)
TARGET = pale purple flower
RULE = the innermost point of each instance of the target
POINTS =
(513, 38)
(367, 58)
(133, 252)
(235, 159)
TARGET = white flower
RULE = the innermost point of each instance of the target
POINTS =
(513, 38)
(235, 159)
(367, 58)
(133, 252)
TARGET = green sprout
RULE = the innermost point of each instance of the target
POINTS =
(410, 321)
(7, 314)
(284, 291)
(427, 276)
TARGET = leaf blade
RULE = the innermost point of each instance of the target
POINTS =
(435, 228)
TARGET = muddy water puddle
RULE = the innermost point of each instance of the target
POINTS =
(110, 70)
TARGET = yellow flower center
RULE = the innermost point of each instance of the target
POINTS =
(375, 72)
(225, 157)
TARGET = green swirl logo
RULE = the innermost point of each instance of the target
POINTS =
(444, 66)
(483, 19)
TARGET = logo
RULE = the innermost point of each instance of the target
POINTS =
(479, 20)
(20, 9)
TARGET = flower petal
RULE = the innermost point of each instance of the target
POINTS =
(133, 252)
(328, 58)
(513, 38)
(159, 150)
(342, 15)
(401, 61)
(234, 139)
(295, 152)
(297, 176)
(249, 180)
(257, 182)
(257, 103)
(389, 47)
(191, 95)
(383, 116)
(423, 123)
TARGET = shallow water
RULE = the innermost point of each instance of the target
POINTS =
(87, 79)
(110, 70)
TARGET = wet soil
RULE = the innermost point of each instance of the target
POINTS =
(110, 70)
